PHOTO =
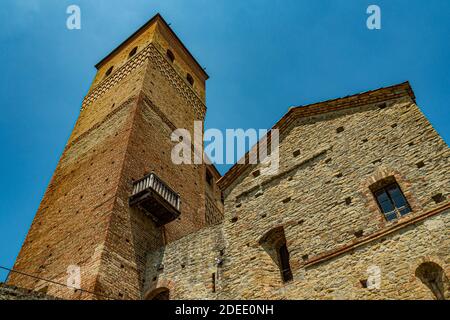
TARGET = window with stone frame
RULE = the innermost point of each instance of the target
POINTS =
(274, 243)
(391, 200)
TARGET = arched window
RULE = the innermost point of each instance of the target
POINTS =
(159, 294)
(390, 199)
(432, 275)
(132, 52)
(170, 55)
(109, 71)
(190, 79)
(274, 243)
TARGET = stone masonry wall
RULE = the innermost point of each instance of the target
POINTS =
(14, 293)
(320, 198)
(186, 266)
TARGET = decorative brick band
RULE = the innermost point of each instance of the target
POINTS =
(164, 66)
(358, 100)
(98, 124)
(374, 236)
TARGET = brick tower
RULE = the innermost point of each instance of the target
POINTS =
(116, 194)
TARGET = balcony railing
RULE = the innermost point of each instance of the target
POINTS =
(156, 199)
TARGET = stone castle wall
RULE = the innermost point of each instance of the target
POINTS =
(337, 237)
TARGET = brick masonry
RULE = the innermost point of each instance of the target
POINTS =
(320, 201)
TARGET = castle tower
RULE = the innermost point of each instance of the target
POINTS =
(116, 194)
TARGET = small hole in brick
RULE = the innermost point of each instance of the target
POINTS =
(359, 233)
(127, 240)
(239, 205)
(154, 279)
(382, 106)
(183, 266)
(438, 198)
(122, 266)
(328, 160)
(81, 197)
(256, 173)
(394, 125)
(305, 257)
(296, 153)
(301, 222)
(252, 258)
(376, 161)
(348, 201)
(288, 199)
(234, 219)
(340, 129)
(420, 164)
(410, 144)
(365, 140)
(339, 175)
(363, 283)
(120, 295)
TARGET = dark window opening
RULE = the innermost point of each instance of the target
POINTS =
(170, 55)
(213, 282)
(190, 79)
(109, 71)
(392, 202)
(159, 294)
(286, 272)
(274, 243)
(132, 52)
(432, 275)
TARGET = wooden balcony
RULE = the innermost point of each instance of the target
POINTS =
(156, 199)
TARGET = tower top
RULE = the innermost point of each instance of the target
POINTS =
(157, 20)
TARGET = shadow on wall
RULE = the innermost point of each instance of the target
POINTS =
(433, 276)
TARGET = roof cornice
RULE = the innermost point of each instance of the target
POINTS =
(356, 100)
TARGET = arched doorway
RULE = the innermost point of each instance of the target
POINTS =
(433, 276)
(159, 294)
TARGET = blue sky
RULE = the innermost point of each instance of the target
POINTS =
(262, 56)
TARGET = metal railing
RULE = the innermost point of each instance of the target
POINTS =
(153, 182)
